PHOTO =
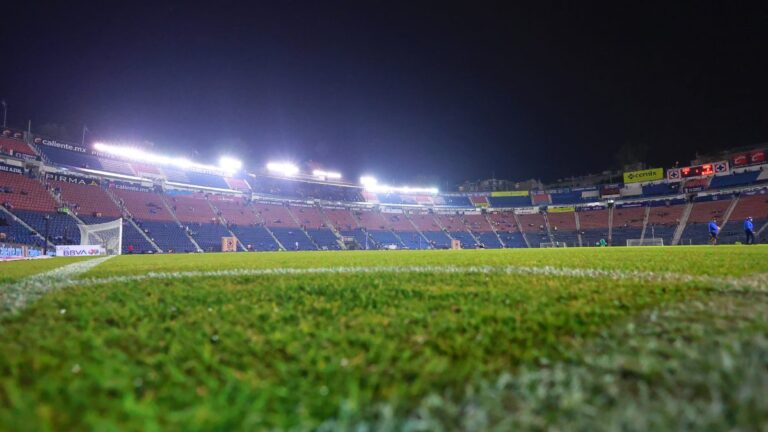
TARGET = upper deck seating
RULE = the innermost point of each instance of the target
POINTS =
(192, 208)
(86, 199)
(19, 192)
(143, 206)
(11, 146)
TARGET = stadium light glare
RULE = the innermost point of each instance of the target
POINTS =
(326, 174)
(283, 168)
(371, 184)
(230, 164)
(368, 181)
(139, 155)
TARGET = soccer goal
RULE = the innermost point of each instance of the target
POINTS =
(646, 242)
(553, 245)
(108, 235)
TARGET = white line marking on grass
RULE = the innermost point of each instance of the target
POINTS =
(510, 270)
(15, 296)
(35, 286)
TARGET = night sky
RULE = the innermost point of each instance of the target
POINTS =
(409, 92)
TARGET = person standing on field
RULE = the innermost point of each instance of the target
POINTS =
(749, 231)
(714, 230)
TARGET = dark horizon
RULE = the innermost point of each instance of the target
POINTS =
(432, 93)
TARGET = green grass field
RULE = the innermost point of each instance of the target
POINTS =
(562, 339)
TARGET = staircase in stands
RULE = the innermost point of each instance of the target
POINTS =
(683, 222)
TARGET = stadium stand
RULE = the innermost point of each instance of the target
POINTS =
(279, 220)
(455, 201)
(143, 206)
(627, 223)
(13, 147)
(116, 166)
(663, 218)
(509, 201)
(733, 180)
(18, 191)
(534, 228)
(479, 226)
(563, 228)
(62, 228)
(429, 226)
(751, 203)
(507, 228)
(659, 189)
(70, 158)
(11, 231)
(85, 199)
(593, 225)
(192, 208)
(703, 210)
(168, 235)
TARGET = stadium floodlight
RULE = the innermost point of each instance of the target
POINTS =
(230, 164)
(371, 184)
(368, 181)
(326, 174)
(283, 168)
(139, 155)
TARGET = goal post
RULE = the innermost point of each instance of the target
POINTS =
(108, 235)
(646, 242)
(553, 245)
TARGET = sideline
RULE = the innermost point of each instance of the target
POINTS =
(15, 296)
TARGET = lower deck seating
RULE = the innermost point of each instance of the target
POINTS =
(168, 236)
(324, 238)
(208, 235)
(590, 237)
(695, 233)
(384, 238)
(438, 239)
(293, 238)
(466, 239)
(413, 240)
(569, 237)
(512, 239)
(255, 237)
(62, 228)
(664, 232)
(489, 240)
(14, 232)
(620, 235)
(361, 237)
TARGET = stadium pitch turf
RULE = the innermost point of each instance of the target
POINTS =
(567, 339)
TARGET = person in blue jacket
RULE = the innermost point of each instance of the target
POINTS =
(714, 230)
(749, 230)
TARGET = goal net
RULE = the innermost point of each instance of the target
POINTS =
(553, 245)
(646, 242)
(108, 235)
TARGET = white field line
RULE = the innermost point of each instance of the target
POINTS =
(15, 296)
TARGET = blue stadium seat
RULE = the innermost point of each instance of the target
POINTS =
(62, 228)
(324, 238)
(293, 238)
(466, 239)
(168, 236)
(734, 180)
(256, 236)
(489, 240)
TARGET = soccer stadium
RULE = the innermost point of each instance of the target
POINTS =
(352, 217)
